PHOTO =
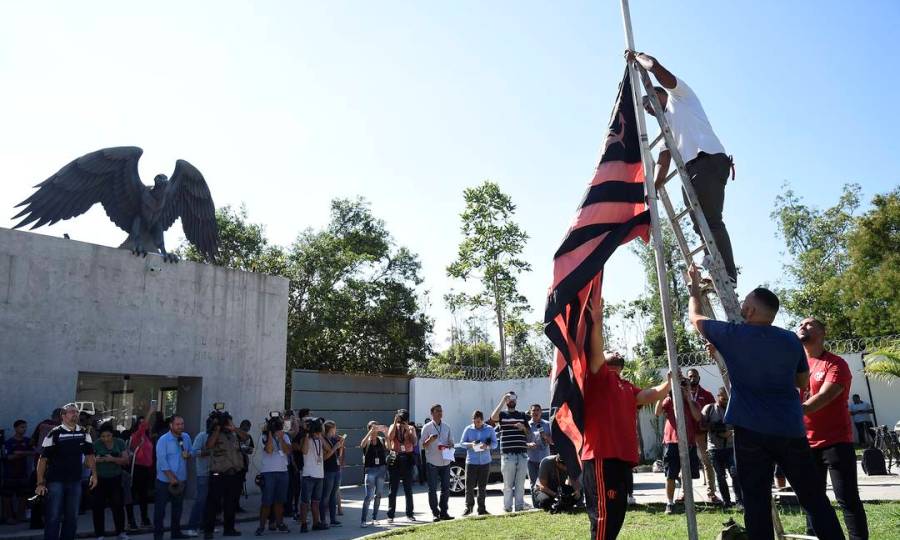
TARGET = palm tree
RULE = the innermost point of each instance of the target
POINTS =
(884, 364)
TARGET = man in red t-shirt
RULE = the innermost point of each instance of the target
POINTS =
(703, 397)
(671, 455)
(828, 425)
(610, 446)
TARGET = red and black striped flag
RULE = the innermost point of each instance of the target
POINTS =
(612, 212)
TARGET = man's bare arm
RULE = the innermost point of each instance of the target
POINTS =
(598, 355)
(664, 76)
(654, 393)
(662, 168)
(801, 380)
(827, 393)
(695, 312)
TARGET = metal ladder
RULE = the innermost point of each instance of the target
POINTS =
(723, 286)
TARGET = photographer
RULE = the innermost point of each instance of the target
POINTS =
(201, 468)
(59, 473)
(110, 455)
(173, 449)
(274, 472)
(721, 446)
(331, 485)
(225, 464)
(401, 440)
(548, 486)
(671, 456)
(312, 445)
(247, 448)
(375, 469)
(296, 431)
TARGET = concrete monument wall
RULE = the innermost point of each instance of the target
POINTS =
(68, 307)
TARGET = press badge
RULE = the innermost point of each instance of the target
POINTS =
(377, 461)
(403, 448)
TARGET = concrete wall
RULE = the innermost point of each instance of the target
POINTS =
(68, 307)
(459, 398)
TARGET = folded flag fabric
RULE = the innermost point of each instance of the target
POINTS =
(612, 213)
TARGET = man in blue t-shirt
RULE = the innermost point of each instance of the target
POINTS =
(767, 366)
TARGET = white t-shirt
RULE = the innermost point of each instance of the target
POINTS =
(314, 459)
(689, 124)
(277, 461)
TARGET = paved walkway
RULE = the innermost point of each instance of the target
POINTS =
(649, 489)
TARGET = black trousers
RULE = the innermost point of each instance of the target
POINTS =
(756, 454)
(108, 493)
(709, 174)
(723, 460)
(863, 433)
(476, 476)
(141, 481)
(401, 471)
(839, 462)
(606, 496)
(224, 494)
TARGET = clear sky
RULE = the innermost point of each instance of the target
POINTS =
(286, 105)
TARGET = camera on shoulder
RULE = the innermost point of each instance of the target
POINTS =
(218, 418)
(314, 425)
(274, 423)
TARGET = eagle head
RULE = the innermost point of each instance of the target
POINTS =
(160, 180)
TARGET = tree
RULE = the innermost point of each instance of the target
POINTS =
(816, 241)
(490, 252)
(884, 364)
(642, 374)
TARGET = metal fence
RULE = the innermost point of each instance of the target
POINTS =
(685, 359)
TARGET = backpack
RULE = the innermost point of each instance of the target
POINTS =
(732, 531)
(873, 462)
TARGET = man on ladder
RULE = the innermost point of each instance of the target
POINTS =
(704, 156)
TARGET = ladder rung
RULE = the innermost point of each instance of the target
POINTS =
(698, 249)
(656, 140)
(681, 214)
(672, 174)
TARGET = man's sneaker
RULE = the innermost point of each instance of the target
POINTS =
(320, 527)
(467, 511)
(304, 528)
(483, 513)
(739, 506)
(193, 533)
(411, 519)
(631, 501)
(260, 531)
(335, 523)
(446, 517)
(390, 520)
(670, 508)
(364, 524)
(715, 500)
(437, 518)
(507, 510)
(123, 536)
(283, 528)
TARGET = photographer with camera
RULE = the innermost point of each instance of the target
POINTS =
(721, 446)
(478, 439)
(671, 457)
(110, 455)
(312, 445)
(247, 449)
(374, 468)
(59, 472)
(551, 492)
(331, 484)
(173, 450)
(401, 440)
(273, 472)
(225, 464)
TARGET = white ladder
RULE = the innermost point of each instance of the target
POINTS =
(722, 284)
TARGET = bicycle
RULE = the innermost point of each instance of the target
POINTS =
(886, 442)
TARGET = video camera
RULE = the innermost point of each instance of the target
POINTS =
(274, 423)
(718, 427)
(219, 417)
(314, 425)
(565, 500)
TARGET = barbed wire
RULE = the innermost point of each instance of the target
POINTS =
(685, 359)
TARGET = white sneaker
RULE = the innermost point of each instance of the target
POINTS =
(190, 532)
(390, 520)
(123, 536)
(364, 524)
(631, 500)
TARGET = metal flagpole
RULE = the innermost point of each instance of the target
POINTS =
(656, 238)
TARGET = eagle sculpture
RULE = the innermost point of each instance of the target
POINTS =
(110, 177)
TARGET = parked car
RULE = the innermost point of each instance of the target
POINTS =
(458, 470)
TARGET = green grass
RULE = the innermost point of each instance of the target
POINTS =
(640, 524)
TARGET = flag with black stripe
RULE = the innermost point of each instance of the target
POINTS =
(612, 213)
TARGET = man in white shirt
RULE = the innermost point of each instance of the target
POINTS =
(862, 419)
(438, 444)
(704, 156)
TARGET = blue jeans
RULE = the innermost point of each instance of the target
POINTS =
(63, 499)
(434, 473)
(374, 489)
(533, 467)
(163, 497)
(330, 490)
(514, 468)
(196, 519)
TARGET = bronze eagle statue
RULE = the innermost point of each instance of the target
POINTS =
(110, 177)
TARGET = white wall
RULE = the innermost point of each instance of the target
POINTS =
(459, 398)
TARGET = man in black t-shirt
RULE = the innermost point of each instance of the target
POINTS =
(513, 430)
(551, 474)
(59, 474)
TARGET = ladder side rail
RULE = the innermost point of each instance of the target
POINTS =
(717, 270)
(671, 349)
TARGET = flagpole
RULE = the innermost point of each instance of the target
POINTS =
(656, 238)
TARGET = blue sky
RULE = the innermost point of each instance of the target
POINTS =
(286, 105)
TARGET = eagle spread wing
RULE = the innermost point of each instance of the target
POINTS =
(108, 176)
(188, 198)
